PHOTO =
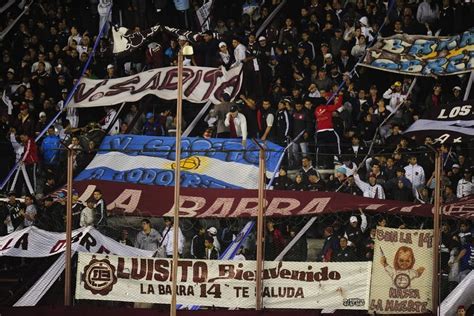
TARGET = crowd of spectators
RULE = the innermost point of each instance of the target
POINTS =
(299, 90)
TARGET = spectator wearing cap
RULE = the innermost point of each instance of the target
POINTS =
(265, 56)
(456, 96)
(212, 232)
(88, 214)
(415, 173)
(111, 73)
(370, 189)
(355, 232)
(152, 126)
(225, 59)
(188, 60)
(394, 95)
(237, 124)
(464, 186)
(41, 124)
(455, 174)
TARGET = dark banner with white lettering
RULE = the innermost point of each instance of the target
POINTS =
(149, 200)
(451, 123)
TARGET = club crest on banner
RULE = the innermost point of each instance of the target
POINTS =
(99, 276)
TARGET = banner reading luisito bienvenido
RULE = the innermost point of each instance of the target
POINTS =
(335, 285)
(402, 271)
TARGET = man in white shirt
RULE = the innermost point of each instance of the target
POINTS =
(237, 124)
(239, 52)
(415, 174)
(168, 238)
(465, 185)
(394, 94)
(371, 189)
(88, 214)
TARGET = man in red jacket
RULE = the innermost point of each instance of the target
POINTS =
(30, 160)
(327, 139)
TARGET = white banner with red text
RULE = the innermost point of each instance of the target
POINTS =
(200, 84)
(32, 242)
(231, 284)
(402, 271)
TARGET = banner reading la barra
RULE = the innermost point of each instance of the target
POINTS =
(200, 84)
(342, 285)
(420, 55)
(402, 271)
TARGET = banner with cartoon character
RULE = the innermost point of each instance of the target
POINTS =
(402, 271)
(419, 55)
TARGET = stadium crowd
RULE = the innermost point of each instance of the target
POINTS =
(299, 90)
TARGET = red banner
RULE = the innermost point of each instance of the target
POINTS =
(145, 200)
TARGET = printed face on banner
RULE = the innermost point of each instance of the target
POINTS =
(224, 283)
(423, 55)
(401, 271)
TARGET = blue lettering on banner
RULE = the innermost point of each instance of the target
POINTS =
(225, 150)
(423, 55)
(154, 177)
